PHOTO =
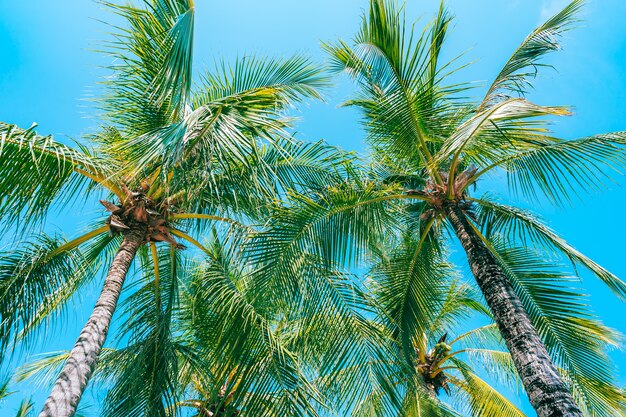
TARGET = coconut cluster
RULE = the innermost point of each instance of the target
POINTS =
(139, 212)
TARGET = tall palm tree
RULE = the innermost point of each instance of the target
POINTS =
(168, 156)
(432, 146)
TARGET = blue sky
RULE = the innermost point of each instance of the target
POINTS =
(49, 71)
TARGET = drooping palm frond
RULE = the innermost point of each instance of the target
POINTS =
(31, 277)
(513, 224)
(467, 137)
(559, 169)
(37, 171)
(522, 66)
(93, 250)
(341, 346)
(340, 223)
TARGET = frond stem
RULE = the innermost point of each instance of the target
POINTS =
(78, 241)
(185, 236)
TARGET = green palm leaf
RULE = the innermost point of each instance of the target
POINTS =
(152, 74)
(516, 223)
(516, 73)
(37, 171)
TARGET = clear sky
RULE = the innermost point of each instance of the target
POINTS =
(48, 70)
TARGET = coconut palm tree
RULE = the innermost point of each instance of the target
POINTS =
(168, 156)
(430, 362)
(431, 147)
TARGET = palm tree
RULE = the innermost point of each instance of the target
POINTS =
(431, 146)
(432, 373)
(170, 157)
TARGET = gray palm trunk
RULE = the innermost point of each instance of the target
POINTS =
(73, 379)
(547, 392)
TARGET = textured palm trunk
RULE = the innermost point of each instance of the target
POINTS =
(547, 392)
(75, 375)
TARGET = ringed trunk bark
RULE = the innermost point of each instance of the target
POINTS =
(547, 392)
(77, 371)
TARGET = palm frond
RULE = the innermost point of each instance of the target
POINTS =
(93, 254)
(523, 65)
(482, 398)
(26, 408)
(249, 189)
(404, 103)
(514, 223)
(559, 169)
(251, 350)
(151, 80)
(35, 281)
(228, 115)
(339, 224)
(467, 137)
(460, 301)
(37, 171)
(410, 285)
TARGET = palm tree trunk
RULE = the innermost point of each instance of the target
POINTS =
(546, 390)
(73, 379)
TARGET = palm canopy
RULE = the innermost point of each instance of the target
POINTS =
(421, 123)
(431, 146)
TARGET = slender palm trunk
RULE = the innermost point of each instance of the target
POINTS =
(546, 390)
(73, 379)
